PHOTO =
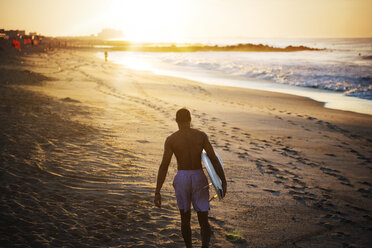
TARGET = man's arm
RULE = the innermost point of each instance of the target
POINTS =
(162, 173)
(215, 161)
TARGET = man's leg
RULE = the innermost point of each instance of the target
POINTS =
(185, 227)
(205, 229)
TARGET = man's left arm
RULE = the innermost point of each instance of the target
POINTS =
(162, 173)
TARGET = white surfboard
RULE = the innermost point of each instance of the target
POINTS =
(215, 179)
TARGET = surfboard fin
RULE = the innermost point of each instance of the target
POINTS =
(213, 197)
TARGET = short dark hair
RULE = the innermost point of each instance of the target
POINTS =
(183, 115)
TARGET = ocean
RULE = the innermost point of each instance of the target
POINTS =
(340, 76)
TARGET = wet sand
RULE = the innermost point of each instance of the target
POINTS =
(82, 140)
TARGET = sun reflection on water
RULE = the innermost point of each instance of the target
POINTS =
(135, 63)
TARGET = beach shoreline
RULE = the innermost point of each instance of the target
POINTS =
(82, 141)
(209, 68)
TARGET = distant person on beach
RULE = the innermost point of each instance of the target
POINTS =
(106, 56)
(190, 183)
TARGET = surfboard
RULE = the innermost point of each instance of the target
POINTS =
(215, 179)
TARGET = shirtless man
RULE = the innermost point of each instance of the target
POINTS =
(190, 183)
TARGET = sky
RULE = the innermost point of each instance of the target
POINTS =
(183, 20)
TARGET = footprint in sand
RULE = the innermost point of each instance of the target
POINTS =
(247, 135)
(242, 154)
(341, 178)
(330, 154)
(217, 221)
(274, 192)
(143, 141)
(367, 193)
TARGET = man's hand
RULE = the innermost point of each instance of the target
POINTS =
(157, 200)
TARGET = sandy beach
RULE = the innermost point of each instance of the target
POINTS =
(81, 143)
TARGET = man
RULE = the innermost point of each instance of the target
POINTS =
(106, 54)
(190, 183)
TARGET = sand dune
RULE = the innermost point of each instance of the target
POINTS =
(82, 140)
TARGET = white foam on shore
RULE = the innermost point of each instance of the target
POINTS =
(331, 99)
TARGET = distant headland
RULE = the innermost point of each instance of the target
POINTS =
(247, 47)
(115, 45)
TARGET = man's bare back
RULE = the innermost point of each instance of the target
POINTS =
(187, 145)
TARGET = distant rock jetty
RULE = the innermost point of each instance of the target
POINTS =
(248, 47)
(116, 45)
(231, 48)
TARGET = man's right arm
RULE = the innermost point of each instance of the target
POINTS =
(215, 161)
(163, 169)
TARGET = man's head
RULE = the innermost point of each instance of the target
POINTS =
(183, 116)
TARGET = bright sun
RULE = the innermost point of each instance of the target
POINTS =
(148, 21)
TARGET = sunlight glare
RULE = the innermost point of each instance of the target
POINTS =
(150, 21)
(134, 62)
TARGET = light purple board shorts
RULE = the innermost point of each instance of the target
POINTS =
(191, 186)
